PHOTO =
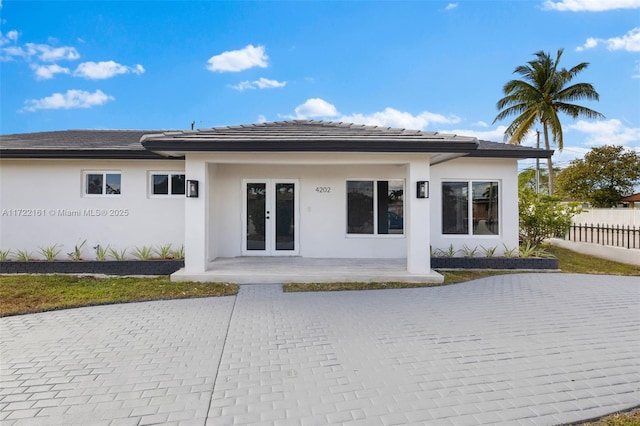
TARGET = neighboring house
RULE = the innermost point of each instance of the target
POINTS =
(630, 200)
(295, 188)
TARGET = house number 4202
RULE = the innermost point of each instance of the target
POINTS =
(323, 189)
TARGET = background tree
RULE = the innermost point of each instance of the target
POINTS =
(543, 92)
(605, 175)
(527, 179)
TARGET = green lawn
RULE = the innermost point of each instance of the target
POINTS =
(570, 261)
(21, 294)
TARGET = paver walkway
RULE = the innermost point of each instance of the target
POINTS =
(535, 349)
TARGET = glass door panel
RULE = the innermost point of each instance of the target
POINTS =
(256, 217)
(285, 216)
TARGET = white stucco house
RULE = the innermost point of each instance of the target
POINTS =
(304, 189)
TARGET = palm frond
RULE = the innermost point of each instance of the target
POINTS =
(574, 111)
(577, 92)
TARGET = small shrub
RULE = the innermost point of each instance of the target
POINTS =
(489, 251)
(178, 254)
(24, 255)
(50, 253)
(529, 250)
(543, 216)
(510, 252)
(76, 254)
(142, 253)
(449, 252)
(4, 255)
(164, 252)
(101, 252)
(118, 255)
(469, 252)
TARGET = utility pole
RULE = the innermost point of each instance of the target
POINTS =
(538, 163)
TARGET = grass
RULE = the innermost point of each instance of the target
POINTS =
(21, 294)
(573, 262)
(631, 418)
(450, 277)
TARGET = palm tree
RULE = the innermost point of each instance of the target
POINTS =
(542, 93)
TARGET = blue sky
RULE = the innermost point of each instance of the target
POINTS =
(435, 66)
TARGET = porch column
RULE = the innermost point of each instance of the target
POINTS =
(417, 219)
(196, 227)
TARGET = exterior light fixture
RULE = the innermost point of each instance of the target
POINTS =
(422, 189)
(192, 189)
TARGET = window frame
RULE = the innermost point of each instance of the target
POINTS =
(470, 211)
(169, 174)
(104, 173)
(375, 233)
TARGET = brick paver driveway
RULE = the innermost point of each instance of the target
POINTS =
(514, 349)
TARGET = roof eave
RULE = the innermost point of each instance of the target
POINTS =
(507, 153)
(103, 154)
(308, 146)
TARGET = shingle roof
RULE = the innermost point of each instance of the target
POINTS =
(76, 144)
(308, 135)
(283, 136)
(632, 197)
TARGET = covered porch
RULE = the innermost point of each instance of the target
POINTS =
(271, 270)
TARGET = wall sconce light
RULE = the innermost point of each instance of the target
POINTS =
(422, 189)
(192, 189)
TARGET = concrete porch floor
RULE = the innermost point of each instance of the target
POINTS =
(274, 270)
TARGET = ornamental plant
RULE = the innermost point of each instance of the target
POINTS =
(543, 216)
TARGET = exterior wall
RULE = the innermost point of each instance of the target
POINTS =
(42, 203)
(51, 191)
(502, 170)
(321, 217)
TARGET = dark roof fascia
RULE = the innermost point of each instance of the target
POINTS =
(507, 153)
(308, 146)
(96, 154)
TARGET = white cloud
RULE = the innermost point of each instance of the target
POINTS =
(315, 107)
(589, 44)
(238, 60)
(391, 117)
(629, 42)
(590, 5)
(105, 69)
(70, 99)
(481, 124)
(243, 85)
(11, 36)
(48, 53)
(607, 132)
(262, 83)
(261, 119)
(265, 83)
(46, 72)
(451, 6)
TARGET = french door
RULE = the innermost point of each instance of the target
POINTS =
(270, 222)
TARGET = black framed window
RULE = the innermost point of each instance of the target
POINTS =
(471, 207)
(102, 183)
(167, 183)
(375, 207)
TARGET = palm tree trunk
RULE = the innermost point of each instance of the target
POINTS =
(549, 161)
